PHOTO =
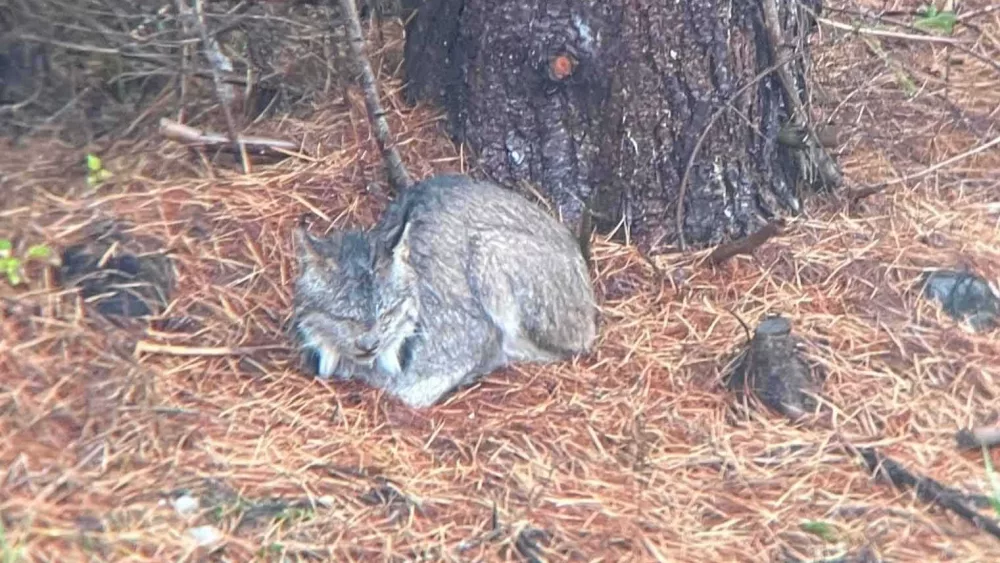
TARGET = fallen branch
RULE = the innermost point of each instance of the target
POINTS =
(258, 146)
(745, 245)
(928, 490)
(399, 178)
(219, 63)
(977, 438)
(172, 350)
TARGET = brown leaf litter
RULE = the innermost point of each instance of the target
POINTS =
(632, 453)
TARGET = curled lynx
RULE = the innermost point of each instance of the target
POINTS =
(457, 279)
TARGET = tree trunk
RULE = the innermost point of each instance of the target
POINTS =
(603, 103)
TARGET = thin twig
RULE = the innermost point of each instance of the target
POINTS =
(260, 146)
(891, 34)
(682, 189)
(159, 60)
(207, 43)
(745, 245)
(399, 178)
(145, 346)
(976, 13)
(954, 43)
(862, 193)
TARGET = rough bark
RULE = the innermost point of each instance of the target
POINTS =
(603, 102)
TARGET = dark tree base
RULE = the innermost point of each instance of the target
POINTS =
(603, 101)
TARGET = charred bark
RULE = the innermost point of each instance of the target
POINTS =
(603, 103)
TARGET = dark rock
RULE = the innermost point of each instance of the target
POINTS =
(119, 275)
(529, 544)
(964, 296)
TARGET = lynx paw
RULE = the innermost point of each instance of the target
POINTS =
(326, 364)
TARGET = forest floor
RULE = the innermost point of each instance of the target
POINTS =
(632, 453)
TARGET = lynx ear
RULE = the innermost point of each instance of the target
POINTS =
(395, 246)
(307, 248)
(401, 248)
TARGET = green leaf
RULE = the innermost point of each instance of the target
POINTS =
(97, 177)
(5, 248)
(94, 163)
(39, 252)
(14, 276)
(935, 20)
(821, 529)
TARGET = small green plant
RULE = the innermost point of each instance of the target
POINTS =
(294, 515)
(933, 19)
(96, 173)
(826, 531)
(994, 480)
(9, 553)
(12, 266)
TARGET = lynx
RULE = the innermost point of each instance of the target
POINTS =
(457, 279)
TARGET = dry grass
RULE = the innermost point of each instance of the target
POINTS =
(630, 454)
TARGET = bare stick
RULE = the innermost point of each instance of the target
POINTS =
(976, 438)
(255, 145)
(745, 245)
(399, 178)
(215, 58)
(919, 35)
(172, 350)
(927, 489)
(885, 33)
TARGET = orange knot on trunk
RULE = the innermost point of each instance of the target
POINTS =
(562, 66)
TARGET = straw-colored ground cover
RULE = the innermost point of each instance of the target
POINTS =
(633, 453)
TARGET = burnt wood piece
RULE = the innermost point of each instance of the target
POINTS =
(771, 369)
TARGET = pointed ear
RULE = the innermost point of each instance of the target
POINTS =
(307, 247)
(401, 248)
(394, 246)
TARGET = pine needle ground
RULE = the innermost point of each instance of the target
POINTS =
(632, 453)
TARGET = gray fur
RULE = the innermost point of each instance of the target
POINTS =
(458, 278)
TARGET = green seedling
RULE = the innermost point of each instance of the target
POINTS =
(9, 553)
(96, 173)
(12, 267)
(825, 531)
(933, 19)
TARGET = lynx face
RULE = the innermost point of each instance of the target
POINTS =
(334, 306)
(355, 301)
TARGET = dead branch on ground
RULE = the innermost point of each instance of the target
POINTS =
(258, 146)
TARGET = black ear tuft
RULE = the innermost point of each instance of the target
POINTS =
(393, 238)
(394, 235)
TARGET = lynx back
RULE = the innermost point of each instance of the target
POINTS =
(496, 281)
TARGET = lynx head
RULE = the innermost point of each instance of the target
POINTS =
(351, 300)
